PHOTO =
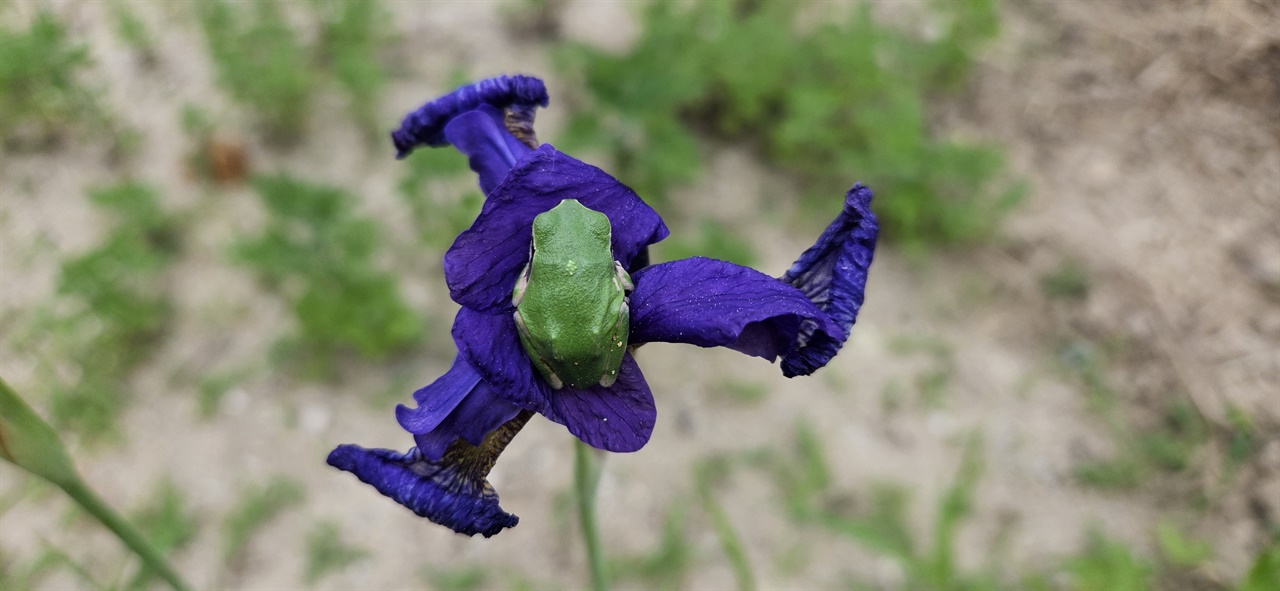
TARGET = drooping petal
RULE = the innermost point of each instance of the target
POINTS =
(491, 150)
(426, 125)
(457, 405)
(439, 398)
(619, 418)
(446, 492)
(482, 265)
(492, 346)
(833, 274)
(480, 413)
(713, 303)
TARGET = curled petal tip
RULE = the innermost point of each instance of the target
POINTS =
(443, 491)
(425, 126)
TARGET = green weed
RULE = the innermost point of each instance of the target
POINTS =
(134, 33)
(667, 566)
(168, 522)
(258, 507)
(1069, 281)
(438, 214)
(711, 240)
(1179, 549)
(881, 525)
(706, 475)
(266, 66)
(742, 391)
(1106, 565)
(848, 99)
(41, 96)
(934, 383)
(350, 36)
(1168, 446)
(1264, 574)
(318, 253)
(212, 388)
(469, 578)
(326, 552)
(262, 63)
(121, 310)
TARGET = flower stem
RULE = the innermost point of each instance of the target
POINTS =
(151, 558)
(31, 444)
(586, 475)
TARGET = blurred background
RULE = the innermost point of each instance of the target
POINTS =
(1066, 374)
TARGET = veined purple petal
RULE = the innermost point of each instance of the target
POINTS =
(490, 343)
(482, 265)
(491, 150)
(426, 125)
(438, 399)
(452, 493)
(713, 303)
(619, 418)
(457, 405)
(833, 274)
(480, 413)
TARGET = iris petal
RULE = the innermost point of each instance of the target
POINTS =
(457, 405)
(491, 150)
(713, 303)
(480, 413)
(491, 345)
(438, 399)
(833, 275)
(619, 418)
(426, 125)
(451, 492)
(482, 265)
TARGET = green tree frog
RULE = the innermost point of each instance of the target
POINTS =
(571, 299)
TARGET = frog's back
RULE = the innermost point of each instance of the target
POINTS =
(573, 298)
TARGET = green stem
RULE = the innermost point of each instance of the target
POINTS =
(124, 530)
(586, 475)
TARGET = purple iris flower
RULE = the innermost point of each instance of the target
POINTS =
(465, 418)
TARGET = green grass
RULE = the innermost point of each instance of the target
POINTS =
(933, 384)
(258, 507)
(710, 239)
(270, 68)
(878, 522)
(439, 214)
(350, 36)
(845, 100)
(1070, 280)
(167, 521)
(262, 63)
(1108, 565)
(327, 553)
(1179, 549)
(706, 476)
(1143, 450)
(467, 578)
(319, 255)
(120, 308)
(42, 97)
(666, 566)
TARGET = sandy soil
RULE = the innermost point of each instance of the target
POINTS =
(1150, 135)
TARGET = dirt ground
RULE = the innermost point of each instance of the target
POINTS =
(1149, 134)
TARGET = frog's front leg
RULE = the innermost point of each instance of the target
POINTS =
(536, 355)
